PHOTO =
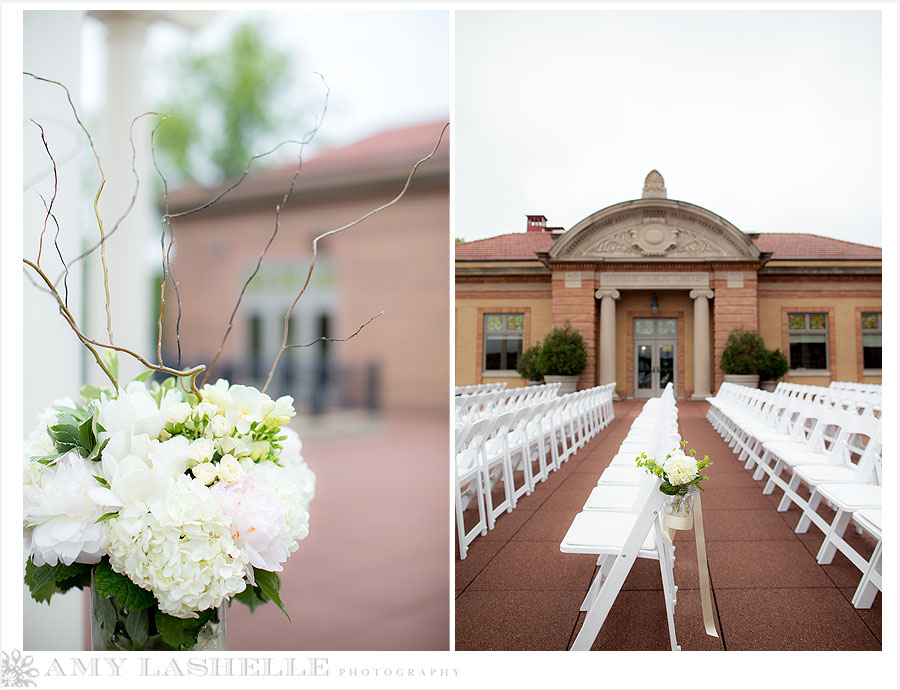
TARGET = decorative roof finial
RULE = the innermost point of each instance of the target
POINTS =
(654, 186)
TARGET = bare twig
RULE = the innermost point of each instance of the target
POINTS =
(55, 189)
(306, 140)
(324, 339)
(96, 198)
(312, 264)
(58, 250)
(91, 343)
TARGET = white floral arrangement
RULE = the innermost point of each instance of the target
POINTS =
(678, 471)
(192, 500)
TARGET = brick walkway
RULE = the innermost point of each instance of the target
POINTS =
(516, 591)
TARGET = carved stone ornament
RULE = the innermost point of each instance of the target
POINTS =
(654, 238)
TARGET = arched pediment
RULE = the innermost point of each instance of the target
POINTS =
(654, 228)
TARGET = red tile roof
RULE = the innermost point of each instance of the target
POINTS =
(515, 245)
(793, 245)
(524, 245)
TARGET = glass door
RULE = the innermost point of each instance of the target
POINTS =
(655, 355)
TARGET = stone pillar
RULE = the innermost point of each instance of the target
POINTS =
(701, 342)
(607, 354)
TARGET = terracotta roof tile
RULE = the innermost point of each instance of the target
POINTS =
(792, 245)
(515, 245)
(525, 245)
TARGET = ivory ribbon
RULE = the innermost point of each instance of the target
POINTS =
(673, 523)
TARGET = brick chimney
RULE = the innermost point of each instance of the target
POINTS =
(536, 224)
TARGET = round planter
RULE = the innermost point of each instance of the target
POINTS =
(749, 380)
(768, 385)
(568, 384)
(534, 383)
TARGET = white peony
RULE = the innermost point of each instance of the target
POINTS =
(178, 544)
(135, 411)
(60, 518)
(258, 523)
(680, 468)
(295, 487)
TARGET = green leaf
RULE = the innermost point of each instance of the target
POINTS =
(64, 436)
(90, 392)
(48, 459)
(180, 633)
(143, 376)
(107, 615)
(106, 516)
(109, 583)
(46, 580)
(86, 435)
(98, 449)
(137, 625)
(111, 360)
(269, 583)
(668, 489)
(252, 597)
(101, 481)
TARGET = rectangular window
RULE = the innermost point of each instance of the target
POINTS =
(871, 340)
(808, 341)
(503, 338)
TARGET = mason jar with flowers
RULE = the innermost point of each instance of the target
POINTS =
(680, 473)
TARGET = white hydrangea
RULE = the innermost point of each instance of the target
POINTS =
(60, 519)
(179, 546)
(680, 468)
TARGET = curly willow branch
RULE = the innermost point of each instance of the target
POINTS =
(306, 140)
(324, 339)
(312, 264)
(96, 198)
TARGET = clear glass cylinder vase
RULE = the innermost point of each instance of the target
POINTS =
(115, 628)
(681, 505)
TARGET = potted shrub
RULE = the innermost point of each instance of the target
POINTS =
(528, 365)
(563, 357)
(742, 357)
(773, 367)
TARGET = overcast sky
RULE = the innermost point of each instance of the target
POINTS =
(385, 68)
(771, 119)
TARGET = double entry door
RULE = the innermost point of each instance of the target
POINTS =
(655, 355)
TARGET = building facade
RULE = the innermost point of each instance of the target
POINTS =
(655, 286)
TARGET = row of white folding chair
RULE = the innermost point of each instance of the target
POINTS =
(546, 433)
(480, 388)
(855, 386)
(865, 401)
(823, 459)
(619, 522)
(474, 406)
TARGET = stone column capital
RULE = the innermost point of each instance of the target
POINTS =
(702, 292)
(606, 292)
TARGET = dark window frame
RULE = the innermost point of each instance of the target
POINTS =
(808, 331)
(504, 334)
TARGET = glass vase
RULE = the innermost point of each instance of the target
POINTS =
(681, 505)
(115, 628)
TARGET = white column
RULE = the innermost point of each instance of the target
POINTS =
(701, 342)
(130, 252)
(607, 340)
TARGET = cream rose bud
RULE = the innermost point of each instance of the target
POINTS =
(220, 426)
(205, 472)
(202, 449)
(230, 469)
(178, 413)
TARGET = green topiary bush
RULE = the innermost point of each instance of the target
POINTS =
(744, 353)
(562, 353)
(528, 364)
(774, 365)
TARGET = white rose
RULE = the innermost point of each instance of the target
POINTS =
(202, 449)
(205, 472)
(230, 469)
(220, 426)
(206, 409)
(178, 413)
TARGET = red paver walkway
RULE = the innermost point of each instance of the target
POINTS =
(516, 591)
(373, 573)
